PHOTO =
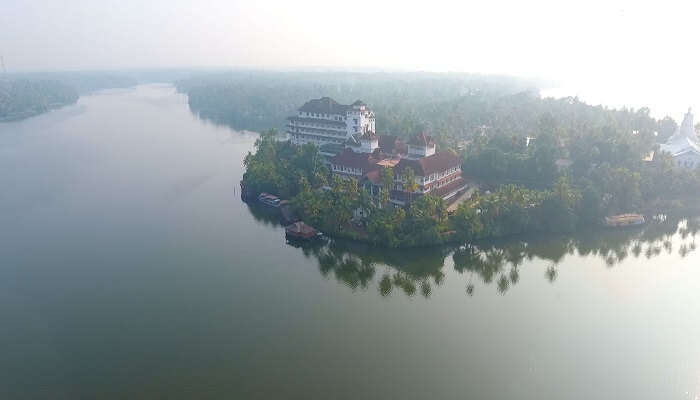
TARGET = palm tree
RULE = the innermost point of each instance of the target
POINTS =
(387, 180)
(409, 184)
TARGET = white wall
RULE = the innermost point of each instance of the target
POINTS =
(687, 160)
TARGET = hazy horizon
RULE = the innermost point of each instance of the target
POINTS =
(617, 53)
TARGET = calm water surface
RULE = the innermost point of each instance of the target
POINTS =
(130, 268)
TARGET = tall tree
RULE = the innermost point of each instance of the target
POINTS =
(409, 183)
(387, 181)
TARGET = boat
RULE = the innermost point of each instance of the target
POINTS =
(301, 231)
(269, 199)
(617, 221)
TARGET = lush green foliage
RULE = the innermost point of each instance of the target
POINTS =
(601, 152)
(514, 210)
(299, 174)
(552, 165)
(281, 168)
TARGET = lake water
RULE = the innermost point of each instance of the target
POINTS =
(130, 268)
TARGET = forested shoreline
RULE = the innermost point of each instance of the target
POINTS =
(23, 95)
(298, 173)
(24, 98)
(550, 166)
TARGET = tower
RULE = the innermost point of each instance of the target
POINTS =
(420, 146)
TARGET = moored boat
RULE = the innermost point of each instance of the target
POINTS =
(269, 199)
(616, 221)
(301, 231)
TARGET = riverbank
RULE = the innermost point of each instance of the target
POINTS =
(344, 208)
(33, 113)
(132, 267)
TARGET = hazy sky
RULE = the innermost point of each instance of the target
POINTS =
(630, 51)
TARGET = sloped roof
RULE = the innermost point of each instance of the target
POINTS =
(438, 162)
(684, 140)
(391, 144)
(368, 135)
(680, 146)
(421, 139)
(301, 228)
(365, 161)
(374, 177)
(353, 141)
(324, 105)
(332, 148)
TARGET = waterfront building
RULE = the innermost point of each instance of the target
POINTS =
(437, 173)
(325, 121)
(350, 163)
(347, 139)
(684, 146)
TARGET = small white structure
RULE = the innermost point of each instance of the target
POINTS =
(684, 145)
(368, 142)
(420, 146)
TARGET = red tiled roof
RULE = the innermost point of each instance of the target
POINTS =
(449, 188)
(374, 177)
(349, 158)
(438, 162)
(439, 192)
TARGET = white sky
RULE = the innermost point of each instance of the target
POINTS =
(616, 51)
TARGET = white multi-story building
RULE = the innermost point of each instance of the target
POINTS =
(322, 121)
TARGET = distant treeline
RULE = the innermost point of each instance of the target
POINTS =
(26, 94)
(504, 131)
(404, 102)
(452, 107)
(85, 82)
(23, 98)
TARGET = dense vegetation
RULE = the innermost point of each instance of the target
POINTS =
(23, 98)
(298, 173)
(602, 154)
(404, 102)
(560, 205)
(549, 164)
(453, 108)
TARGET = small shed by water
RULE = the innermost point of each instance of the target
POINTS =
(300, 230)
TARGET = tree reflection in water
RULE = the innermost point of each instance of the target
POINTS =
(417, 272)
(412, 271)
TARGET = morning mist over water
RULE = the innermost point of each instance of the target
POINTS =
(373, 199)
(135, 270)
